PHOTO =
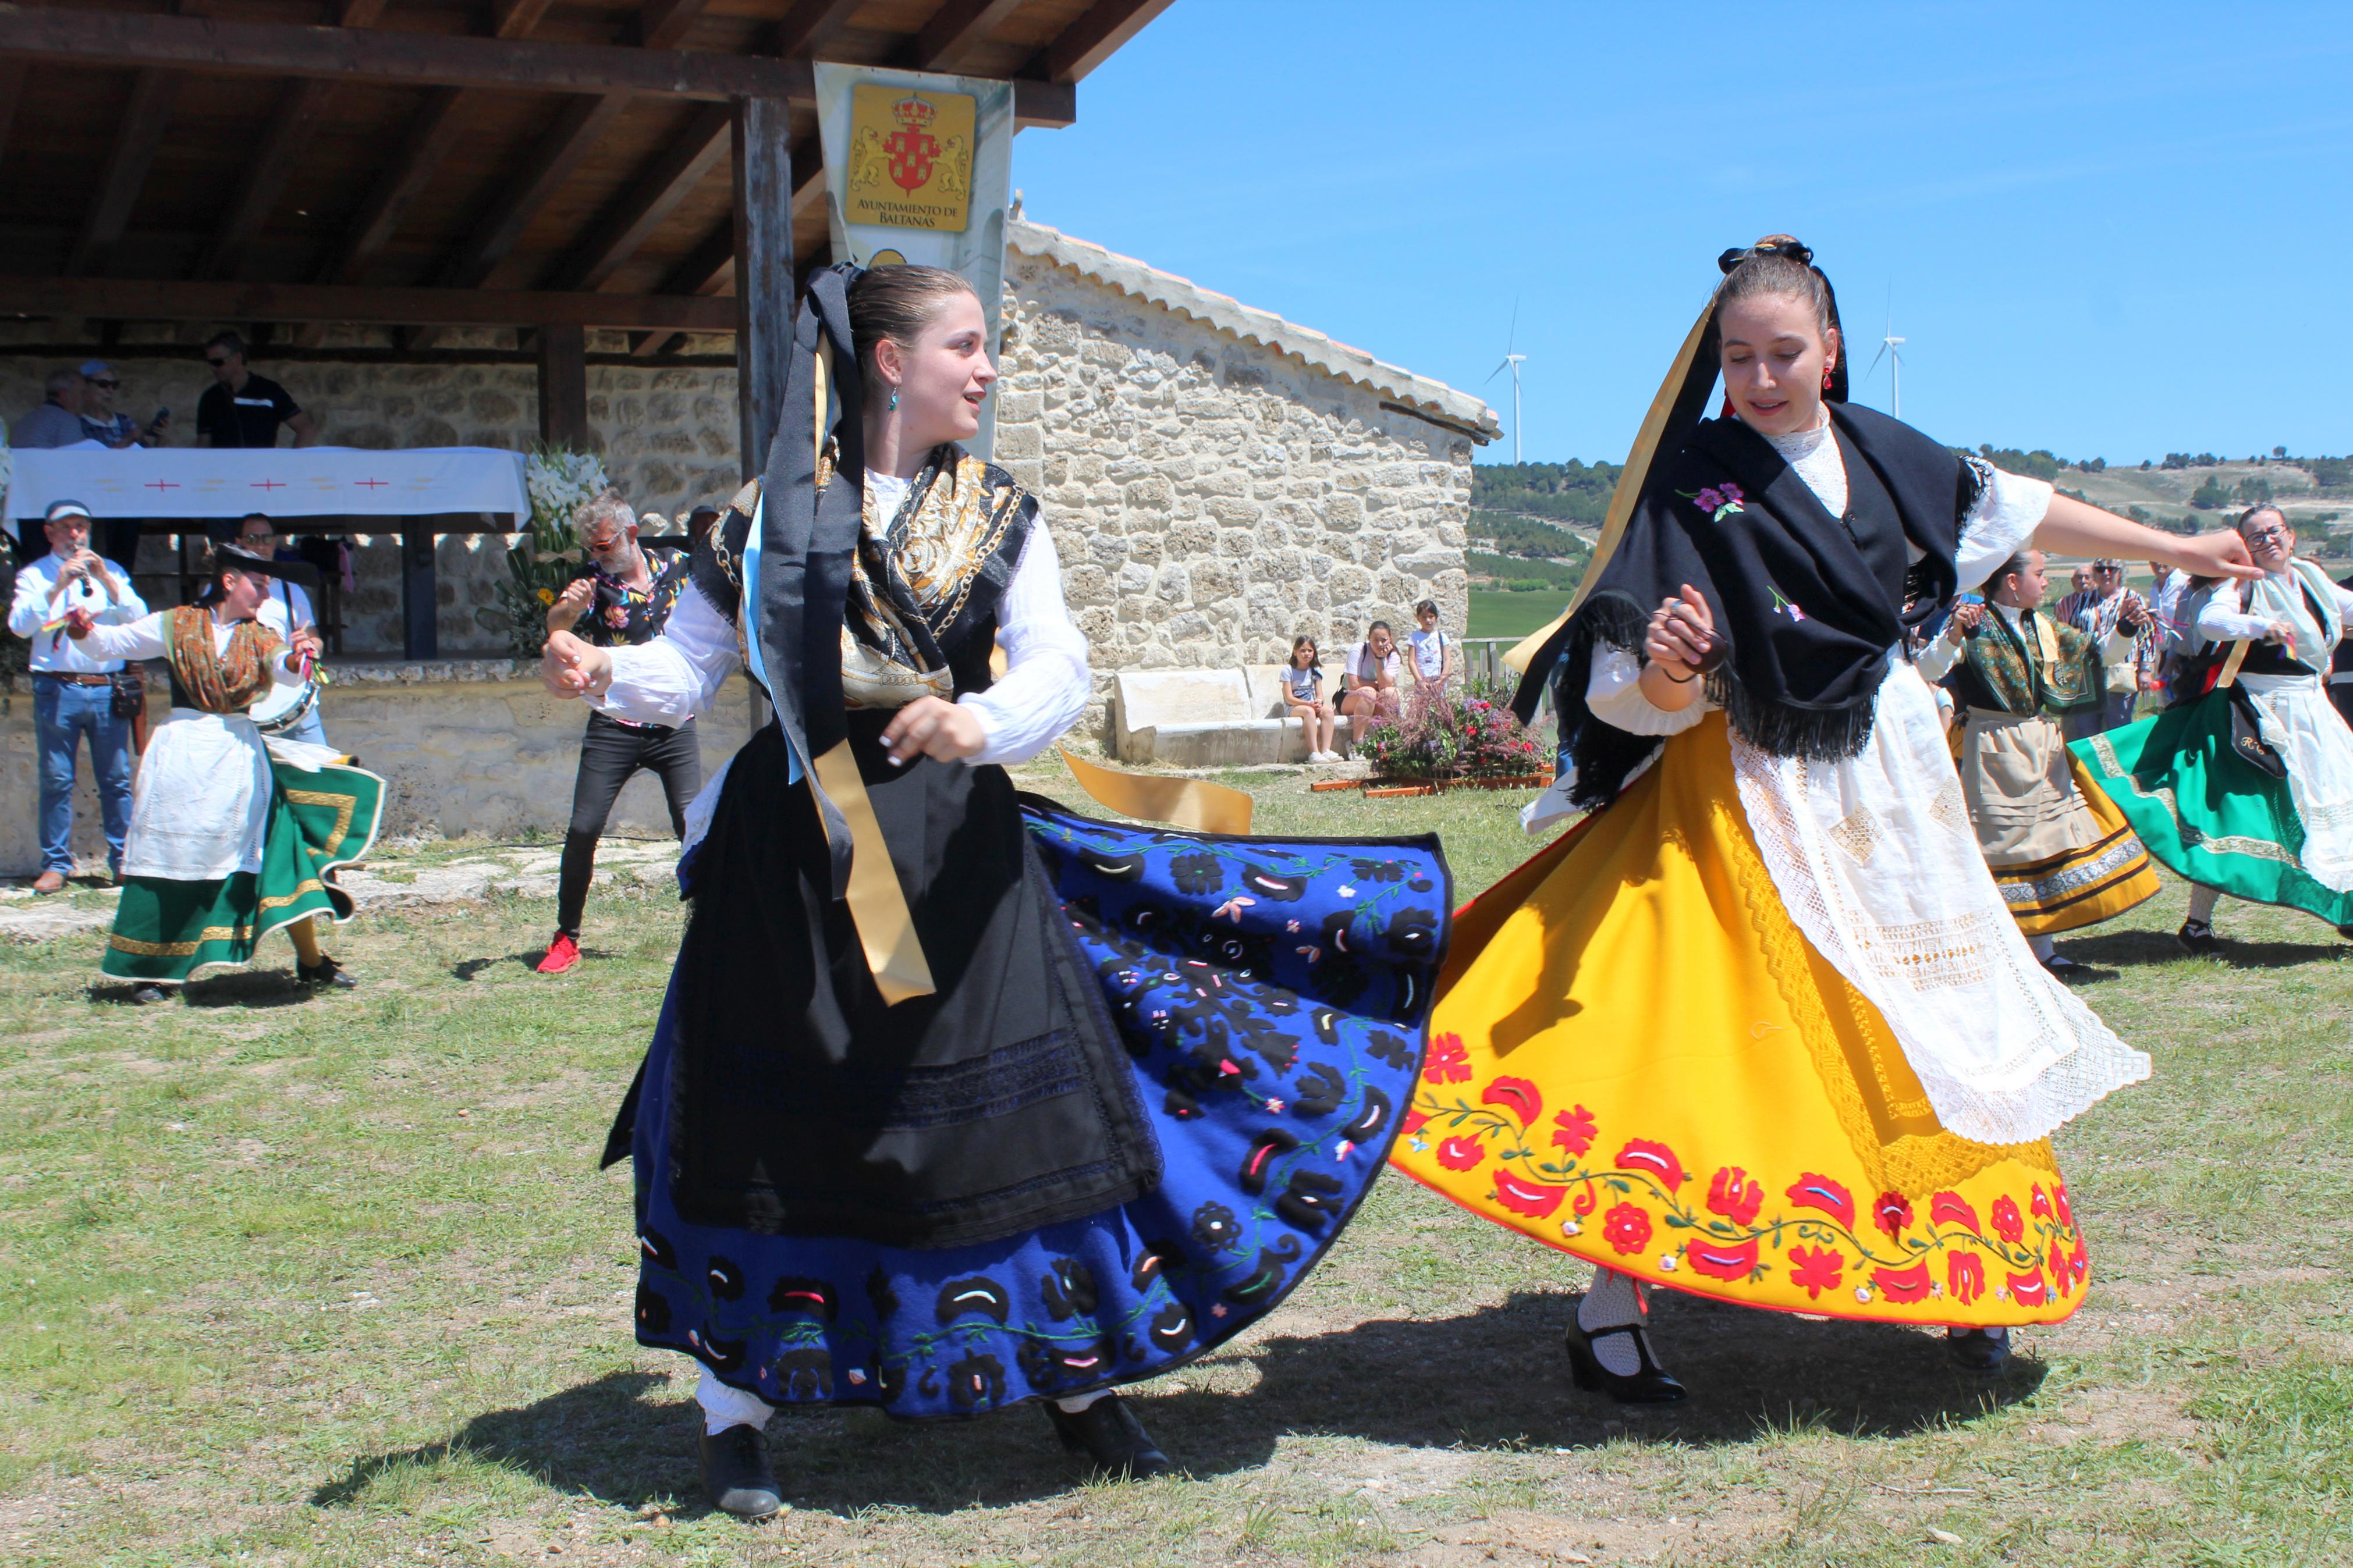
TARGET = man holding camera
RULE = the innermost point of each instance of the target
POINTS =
(74, 694)
(624, 601)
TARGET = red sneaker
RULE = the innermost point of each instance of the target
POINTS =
(562, 954)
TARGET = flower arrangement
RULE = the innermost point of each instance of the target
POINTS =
(542, 561)
(1438, 737)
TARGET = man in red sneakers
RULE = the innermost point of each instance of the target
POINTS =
(625, 601)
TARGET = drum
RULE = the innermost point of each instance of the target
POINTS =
(284, 706)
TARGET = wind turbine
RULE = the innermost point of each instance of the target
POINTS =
(1512, 362)
(1891, 349)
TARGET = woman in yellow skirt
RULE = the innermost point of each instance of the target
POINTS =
(1760, 1027)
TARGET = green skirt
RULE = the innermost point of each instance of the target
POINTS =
(166, 930)
(2206, 814)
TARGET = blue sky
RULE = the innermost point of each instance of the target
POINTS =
(2110, 230)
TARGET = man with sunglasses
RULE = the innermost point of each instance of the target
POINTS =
(625, 600)
(242, 409)
(101, 384)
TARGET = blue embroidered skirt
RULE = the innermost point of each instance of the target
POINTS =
(1272, 996)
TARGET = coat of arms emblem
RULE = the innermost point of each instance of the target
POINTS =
(910, 158)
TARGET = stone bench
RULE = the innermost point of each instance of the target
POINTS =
(1208, 717)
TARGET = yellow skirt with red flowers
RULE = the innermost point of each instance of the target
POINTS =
(1637, 1058)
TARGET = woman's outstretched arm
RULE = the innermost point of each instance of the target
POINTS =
(2076, 528)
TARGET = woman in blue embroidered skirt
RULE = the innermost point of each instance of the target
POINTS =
(959, 1099)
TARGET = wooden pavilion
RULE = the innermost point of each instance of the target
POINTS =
(550, 166)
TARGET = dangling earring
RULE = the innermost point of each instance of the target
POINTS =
(1826, 378)
(894, 398)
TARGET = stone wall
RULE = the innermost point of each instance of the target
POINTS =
(1213, 499)
(465, 746)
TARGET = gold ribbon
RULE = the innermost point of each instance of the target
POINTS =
(1631, 479)
(886, 928)
(1193, 804)
(2230, 676)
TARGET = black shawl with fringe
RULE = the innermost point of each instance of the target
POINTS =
(1809, 603)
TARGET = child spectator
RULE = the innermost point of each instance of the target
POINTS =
(1302, 699)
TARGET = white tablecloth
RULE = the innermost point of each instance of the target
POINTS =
(317, 481)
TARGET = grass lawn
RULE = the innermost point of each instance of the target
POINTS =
(1499, 613)
(334, 1281)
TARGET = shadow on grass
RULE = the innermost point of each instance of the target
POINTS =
(1494, 1378)
(248, 988)
(2137, 949)
(473, 967)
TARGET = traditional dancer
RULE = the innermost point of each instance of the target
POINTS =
(960, 1099)
(2245, 785)
(2060, 852)
(1760, 1027)
(230, 838)
(2098, 611)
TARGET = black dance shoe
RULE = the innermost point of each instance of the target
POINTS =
(327, 973)
(1108, 1433)
(736, 1472)
(2062, 967)
(148, 995)
(1981, 1351)
(1649, 1384)
(2197, 939)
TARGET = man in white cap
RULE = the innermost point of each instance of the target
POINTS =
(73, 693)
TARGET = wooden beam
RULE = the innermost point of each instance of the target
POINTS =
(561, 151)
(266, 170)
(563, 387)
(156, 299)
(621, 229)
(662, 23)
(513, 18)
(709, 267)
(432, 135)
(1093, 38)
(12, 93)
(762, 305)
(952, 32)
(359, 13)
(56, 36)
(809, 26)
(139, 132)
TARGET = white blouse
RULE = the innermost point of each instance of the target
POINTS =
(145, 638)
(1043, 693)
(2223, 618)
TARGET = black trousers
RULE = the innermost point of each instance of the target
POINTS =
(610, 755)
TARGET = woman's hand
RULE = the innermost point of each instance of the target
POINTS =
(303, 643)
(2222, 555)
(928, 727)
(571, 667)
(1965, 618)
(2282, 632)
(1681, 630)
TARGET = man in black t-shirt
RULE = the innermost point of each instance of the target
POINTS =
(242, 409)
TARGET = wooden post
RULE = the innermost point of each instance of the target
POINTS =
(563, 387)
(419, 609)
(762, 143)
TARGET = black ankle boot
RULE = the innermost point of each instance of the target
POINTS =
(1108, 1433)
(326, 972)
(2197, 939)
(1982, 1351)
(736, 1472)
(1649, 1384)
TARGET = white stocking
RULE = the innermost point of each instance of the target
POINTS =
(2203, 900)
(723, 1406)
(2042, 947)
(1079, 1402)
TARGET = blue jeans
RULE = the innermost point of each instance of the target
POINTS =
(62, 714)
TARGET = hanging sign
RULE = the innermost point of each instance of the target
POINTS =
(918, 168)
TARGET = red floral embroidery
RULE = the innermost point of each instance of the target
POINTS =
(1414, 1121)
(1893, 1212)
(1718, 1261)
(2007, 1222)
(1574, 1130)
(1530, 1198)
(2057, 1263)
(1813, 1191)
(1524, 1100)
(1734, 1196)
(1903, 1286)
(1448, 1062)
(2079, 1263)
(1818, 1268)
(1649, 1154)
(2028, 1289)
(1947, 1208)
(1628, 1228)
(2059, 1201)
(2041, 1204)
(1460, 1153)
(1964, 1276)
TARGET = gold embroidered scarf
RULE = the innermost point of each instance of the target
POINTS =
(227, 681)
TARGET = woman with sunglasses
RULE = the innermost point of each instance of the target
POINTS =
(2245, 787)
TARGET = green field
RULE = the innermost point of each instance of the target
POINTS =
(333, 1280)
(1496, 613)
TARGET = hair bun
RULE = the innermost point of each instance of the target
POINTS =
(1784, 245)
